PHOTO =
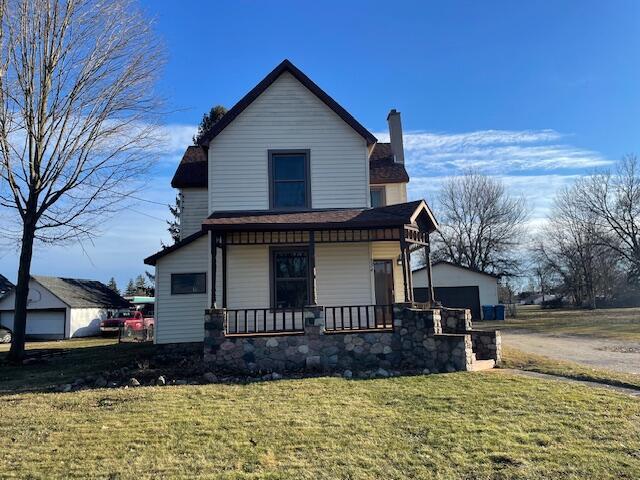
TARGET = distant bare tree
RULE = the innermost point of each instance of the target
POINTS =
(575, 250)
(481, 224)
(613, 200)
(77, 115)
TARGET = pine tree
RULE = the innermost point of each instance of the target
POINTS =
(208, 120)
(113, 286)
(140, 285)
(174, 223)
(131, 288)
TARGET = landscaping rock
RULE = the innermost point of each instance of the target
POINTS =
(426, 371)
(113, 384)
(180, 382)
(100, 382)
(65, 388)
(276, 376)
(381, 373)
(347, 374)
(210, 377)
(133, 382)
(161, 381)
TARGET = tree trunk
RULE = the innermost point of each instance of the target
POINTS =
(16, 354)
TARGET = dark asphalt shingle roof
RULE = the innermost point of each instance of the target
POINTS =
(5, 286)
(81, 293)
(382, 167)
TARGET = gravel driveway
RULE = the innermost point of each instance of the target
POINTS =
(594, 352)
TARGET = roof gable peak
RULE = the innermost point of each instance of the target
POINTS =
(286, 66)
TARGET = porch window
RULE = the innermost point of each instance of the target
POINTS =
(378, 197)
(186, 283)
(290, 277)
(289, 179)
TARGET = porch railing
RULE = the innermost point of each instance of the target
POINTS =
(250, 321)
(358, 317)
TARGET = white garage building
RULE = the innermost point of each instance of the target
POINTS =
(61, 308)
(457, 287)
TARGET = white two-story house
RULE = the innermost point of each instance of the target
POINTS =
(289, 202)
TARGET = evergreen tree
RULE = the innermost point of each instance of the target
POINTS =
(140, 285)
(131, 288)
(174, 223)
(208, 120)
(113, 286)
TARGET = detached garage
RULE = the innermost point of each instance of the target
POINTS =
(457, 287)
(60, 308)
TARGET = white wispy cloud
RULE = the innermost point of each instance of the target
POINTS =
(494, 151)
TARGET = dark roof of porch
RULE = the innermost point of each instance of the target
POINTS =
(347, 218)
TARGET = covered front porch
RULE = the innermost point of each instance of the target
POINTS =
(268, 269)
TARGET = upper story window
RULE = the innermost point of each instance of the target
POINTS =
(378, 197)
(289, 184)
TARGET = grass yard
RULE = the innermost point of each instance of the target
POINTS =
(615, 323)
(78, 357)
(513, 358)
(461, 425)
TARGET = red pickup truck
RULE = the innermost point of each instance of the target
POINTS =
(132, 322)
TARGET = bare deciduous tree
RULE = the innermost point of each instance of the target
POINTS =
(77, 116)
(481, 224)
(613, 199)
(576, 251)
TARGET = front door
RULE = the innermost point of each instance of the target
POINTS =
(383, 281)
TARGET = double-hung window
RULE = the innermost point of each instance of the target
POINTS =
(378, 197)
(289, 185)
(289, 277)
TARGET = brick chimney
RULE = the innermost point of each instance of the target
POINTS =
(395, 133)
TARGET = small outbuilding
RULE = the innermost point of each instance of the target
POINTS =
(457, 287)
(60, 308)
(5, 286)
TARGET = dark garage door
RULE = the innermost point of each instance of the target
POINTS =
(453, 297)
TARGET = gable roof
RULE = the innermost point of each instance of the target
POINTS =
(5, 285)
(383, 168)
(285, 66)
(474, 270)
(151, 260)
(193, 171)
(81, 293)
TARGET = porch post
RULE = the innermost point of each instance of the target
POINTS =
(427, 252)
(403, 259)
(313, 300)
(409, 273)
(224, 270)
(214, 267)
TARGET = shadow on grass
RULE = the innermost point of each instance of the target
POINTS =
(49, 367)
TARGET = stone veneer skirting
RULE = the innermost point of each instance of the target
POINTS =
(420, 339)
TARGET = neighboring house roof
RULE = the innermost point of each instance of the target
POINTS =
(324, 219)
(78, 293)
(193, 171)
(286, 66)
(383, 168)
(474, 270)
(5, 286)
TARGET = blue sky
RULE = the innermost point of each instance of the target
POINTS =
(535, 92)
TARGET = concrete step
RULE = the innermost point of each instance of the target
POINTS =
(479, 365)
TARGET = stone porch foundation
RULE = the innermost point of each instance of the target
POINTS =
(440, 340)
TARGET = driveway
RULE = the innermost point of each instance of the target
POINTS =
(615, 355)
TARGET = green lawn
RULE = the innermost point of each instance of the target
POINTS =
(616, 323)
(461, 425)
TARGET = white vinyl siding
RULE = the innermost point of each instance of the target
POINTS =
(343, 274)
(451, 276)
(248, 276)
(395, 193)
(180, 318)
(391, 251)
(194, 209)
(287, 116)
